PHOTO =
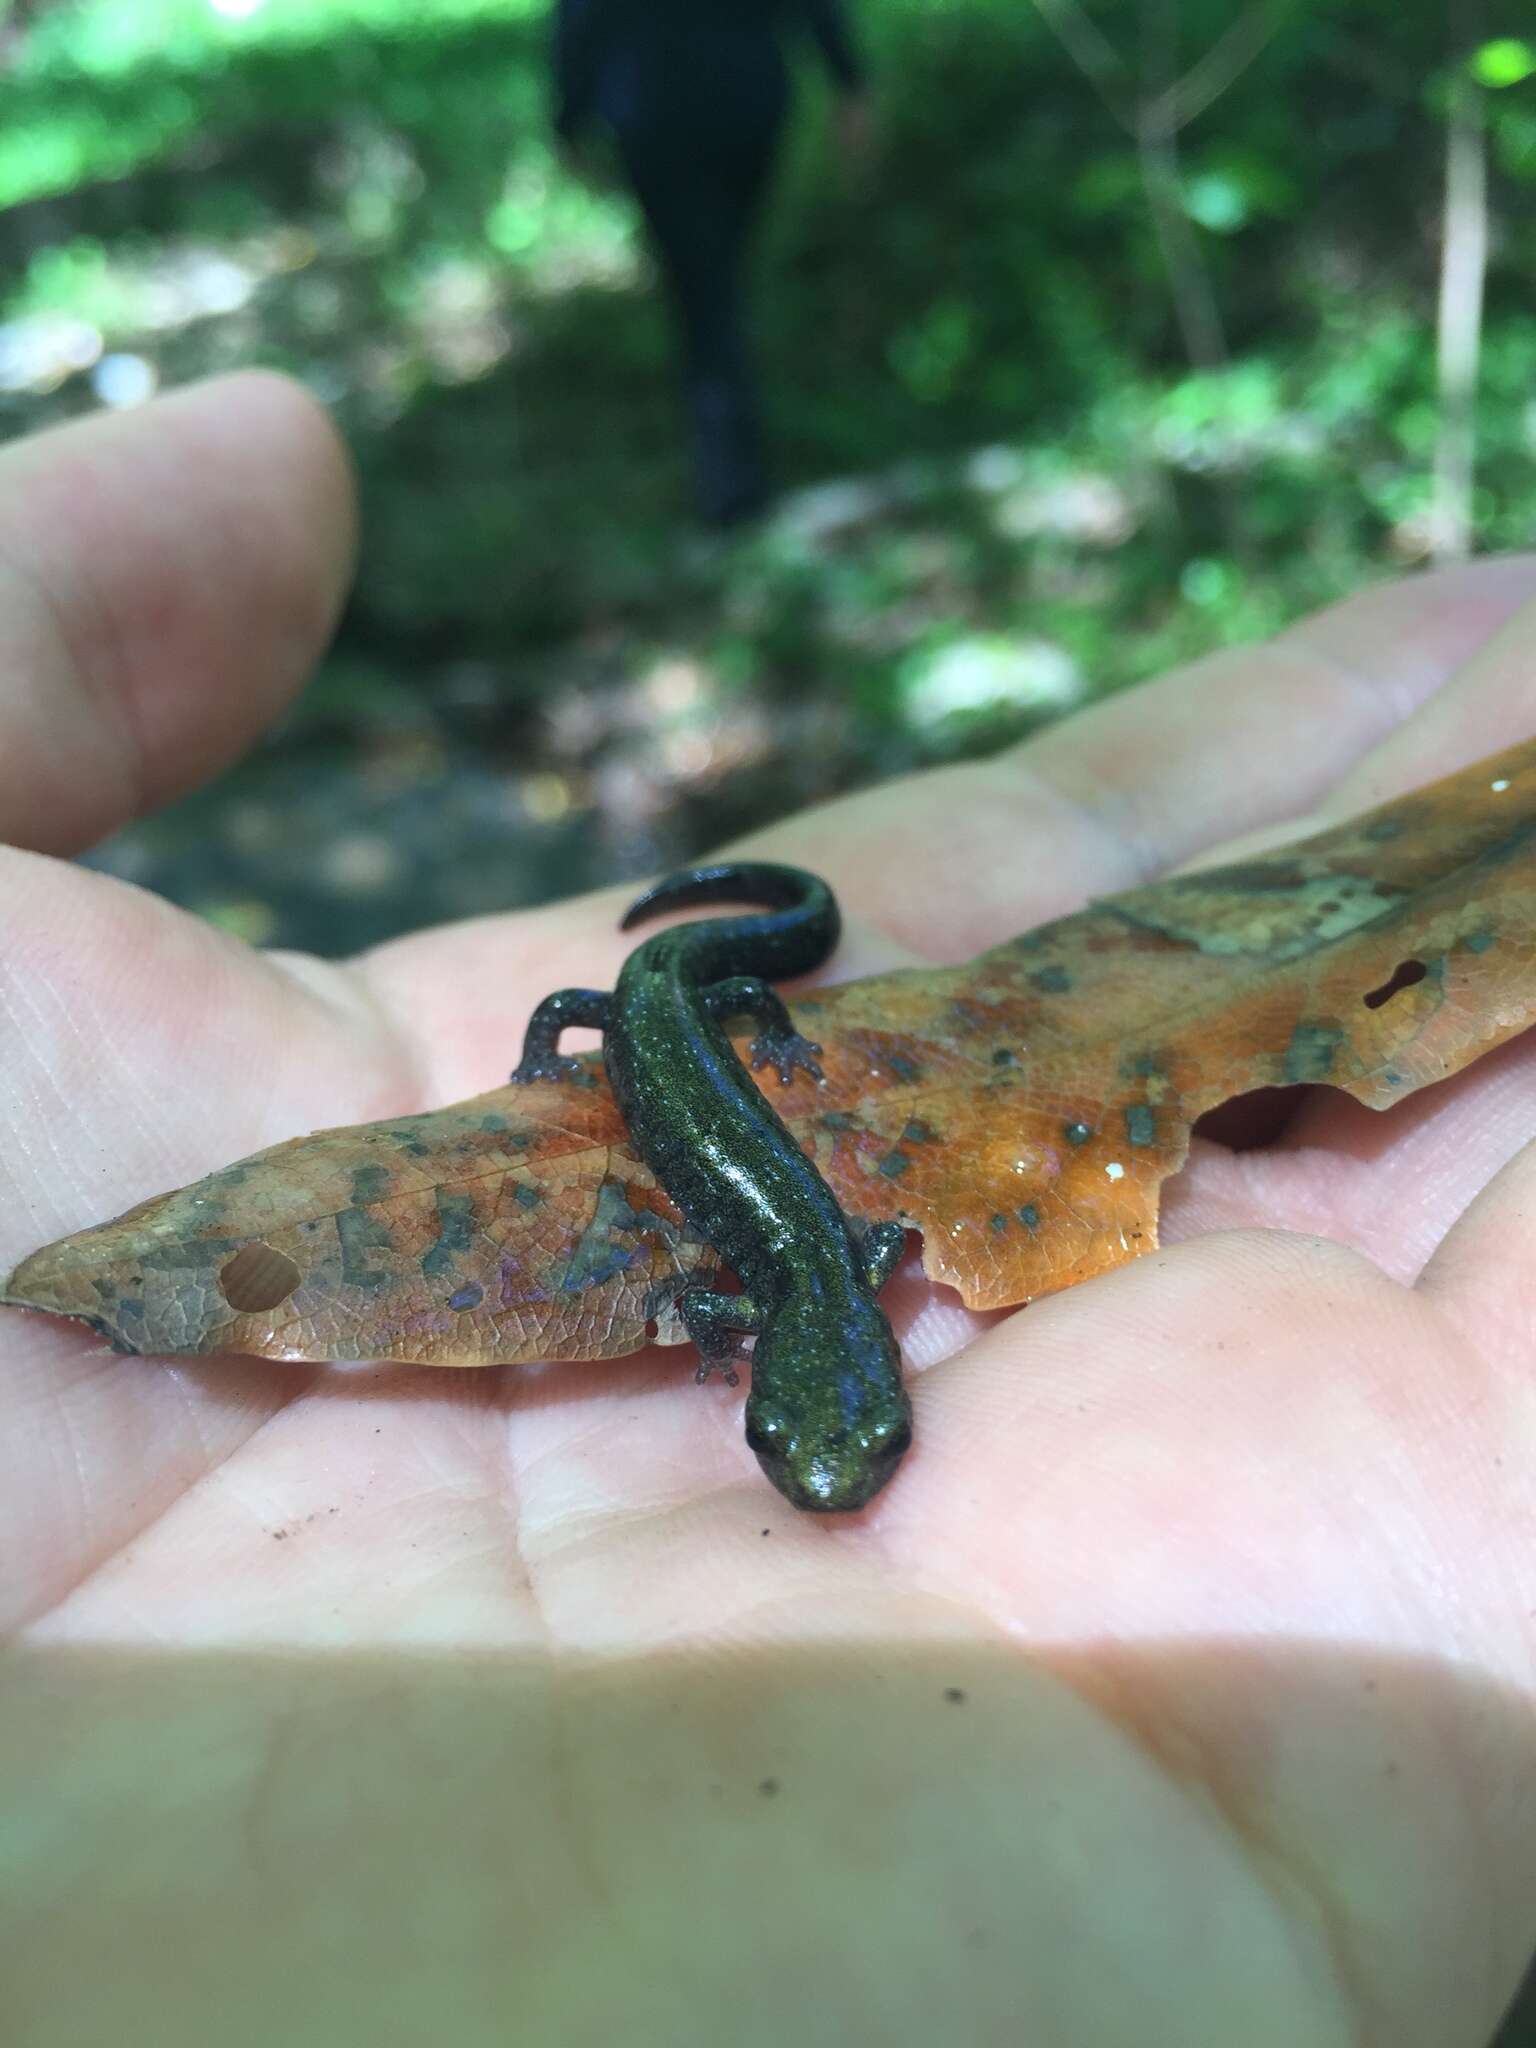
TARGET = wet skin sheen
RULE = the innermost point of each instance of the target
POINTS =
(827, 1415)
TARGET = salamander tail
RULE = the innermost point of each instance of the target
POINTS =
(769, 883)
(792, 931)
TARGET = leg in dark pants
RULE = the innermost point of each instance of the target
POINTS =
(701, 189)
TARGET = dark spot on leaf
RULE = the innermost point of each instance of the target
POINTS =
(894, 1165)
(955, 1694)
(903, 1068)
(919, 1133)
(369, 1184)
(1051, 981)
(669, 1290)
(1029, 1216)
(839, 1120)
(1479, 942)
(467, 1297)
(1279, 876)
(596, 1258)
(1141, 1124)
(999, 1223)
(1312, 1052)
(768, 1786)
(1142, 1066)
(360, 1234)
(105, 1329)
(1406, 974)
(259, 1276)
(493, 1120)
(455, 1229)
(1004, 1058)
(1384, 828)
(527, 1196)
(1077, 1133)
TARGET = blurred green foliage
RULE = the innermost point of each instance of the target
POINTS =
(1007, 487)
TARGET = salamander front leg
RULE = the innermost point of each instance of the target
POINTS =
(778, 1044)
(587, 1007)
(716, 1322)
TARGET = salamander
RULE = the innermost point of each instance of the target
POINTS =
(827, 1415)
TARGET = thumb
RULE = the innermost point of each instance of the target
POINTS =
(167, 578)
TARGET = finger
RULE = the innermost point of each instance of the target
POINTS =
(140, 1049)
(167, 578)
(1119, 793)
(461, 996)
(1483, 1276)
(1388, 1183)
(1258, 1439)
(1490, 701)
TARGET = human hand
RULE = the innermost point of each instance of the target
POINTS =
(1177, 1690)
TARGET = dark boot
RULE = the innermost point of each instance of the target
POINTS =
(727, 451)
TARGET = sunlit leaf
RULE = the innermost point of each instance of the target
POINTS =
(1022, 1112)
(1505, 61)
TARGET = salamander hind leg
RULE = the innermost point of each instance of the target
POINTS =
(717, 1322)
(778, 1044)
(541, 1061)
(786, 1051)
(880, 1250)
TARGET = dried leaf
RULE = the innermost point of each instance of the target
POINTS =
(1021, 1111)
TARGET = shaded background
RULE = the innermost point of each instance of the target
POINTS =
(1150, 325)
(1060, 392)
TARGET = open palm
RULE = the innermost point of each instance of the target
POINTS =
(1180, 1689)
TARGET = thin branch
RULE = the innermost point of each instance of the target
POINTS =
(1222, 65)
(1194, 302)
(1157, 151)
(1093, 54)
(1152, 111)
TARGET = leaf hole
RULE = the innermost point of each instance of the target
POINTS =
(258, 1277)
(1255, 1119)
(1405, 975)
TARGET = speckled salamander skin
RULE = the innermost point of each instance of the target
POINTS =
(827, 1416)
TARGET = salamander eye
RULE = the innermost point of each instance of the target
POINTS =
(899, 1441)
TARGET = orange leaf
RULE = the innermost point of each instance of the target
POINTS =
(1021, 1111)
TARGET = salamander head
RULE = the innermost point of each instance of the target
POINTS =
(828, 1417)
